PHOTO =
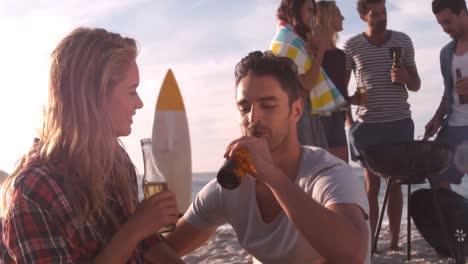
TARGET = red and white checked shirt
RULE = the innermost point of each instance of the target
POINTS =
(41, 226)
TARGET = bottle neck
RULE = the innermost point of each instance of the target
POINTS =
(152, 173)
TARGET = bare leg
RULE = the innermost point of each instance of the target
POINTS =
(394, 210)
(340, 152)
(372, 189)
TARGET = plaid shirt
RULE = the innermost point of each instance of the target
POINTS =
(41, 226)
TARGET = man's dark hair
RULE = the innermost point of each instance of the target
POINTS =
(266, 63)
(456, 6)
(290, 10)
(362, 5)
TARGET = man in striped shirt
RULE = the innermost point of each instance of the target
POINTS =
(386, 116)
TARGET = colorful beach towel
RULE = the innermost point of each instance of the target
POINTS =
(324, 97)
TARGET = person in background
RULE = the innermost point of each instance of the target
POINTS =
(300, 204)
(73, 197)
(328, 22)
(452, 115)
(386, 117)
(297, 15)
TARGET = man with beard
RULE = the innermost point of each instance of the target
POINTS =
(452, 114)
(300, 204)
(386, 116)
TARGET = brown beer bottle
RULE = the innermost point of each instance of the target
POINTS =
(361, 88)
(234, 169)
(463, 98)
(395, 65)
(153, 180)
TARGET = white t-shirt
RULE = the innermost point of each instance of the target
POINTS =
(327, 179)
(459, 115)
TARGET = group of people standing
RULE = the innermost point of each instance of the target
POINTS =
(383, 113)
(382, 60)
(73, 196)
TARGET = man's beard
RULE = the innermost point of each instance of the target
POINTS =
(381, 26)
(257, 130)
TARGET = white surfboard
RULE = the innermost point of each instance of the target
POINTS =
(171, 141)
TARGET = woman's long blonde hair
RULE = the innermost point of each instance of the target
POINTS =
(77, 137)
(324, 19)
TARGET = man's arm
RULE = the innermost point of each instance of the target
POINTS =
(338, 232)
(433, 126)
(183, 240)
(414, 82)
(407, 75)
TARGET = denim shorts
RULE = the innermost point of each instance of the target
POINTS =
(362, 135)
(457, 137)
(310, 129)
(334, 128)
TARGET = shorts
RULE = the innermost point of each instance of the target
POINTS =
(310, 128)
(334, 128)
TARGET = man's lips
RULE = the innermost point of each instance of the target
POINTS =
(257, 131)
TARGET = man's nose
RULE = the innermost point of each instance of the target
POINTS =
(254, 115)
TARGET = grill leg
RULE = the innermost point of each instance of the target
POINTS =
(382, 211)
(408, 234)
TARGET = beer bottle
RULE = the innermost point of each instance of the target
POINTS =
(361, 88)
(153, 180)
(395, 65)
(234, 169)
(463, 98)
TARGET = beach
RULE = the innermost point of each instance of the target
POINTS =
(224, 248)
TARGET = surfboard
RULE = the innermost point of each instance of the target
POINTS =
(171, 141)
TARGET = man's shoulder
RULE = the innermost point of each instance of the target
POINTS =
(319, 154)
(400, 36)
(354, 40)
(448, 47)
(316, 160)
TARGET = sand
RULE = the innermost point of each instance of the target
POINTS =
(224, 248)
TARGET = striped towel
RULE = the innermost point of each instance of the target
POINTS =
(324, 97)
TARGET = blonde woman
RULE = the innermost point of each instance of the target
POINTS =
(73, 197)
(328, 22)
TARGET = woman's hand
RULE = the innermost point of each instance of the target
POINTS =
(152, 214)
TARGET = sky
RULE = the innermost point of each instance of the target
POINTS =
(200, 40)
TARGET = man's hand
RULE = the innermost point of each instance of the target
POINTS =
(400, 74)
(260, 156)
(462, 86)
(358, 98)
(432, 127)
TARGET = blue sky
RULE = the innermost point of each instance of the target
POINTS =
(201, 40)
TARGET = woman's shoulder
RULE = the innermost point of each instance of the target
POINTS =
(335, 53)
(38, 185)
